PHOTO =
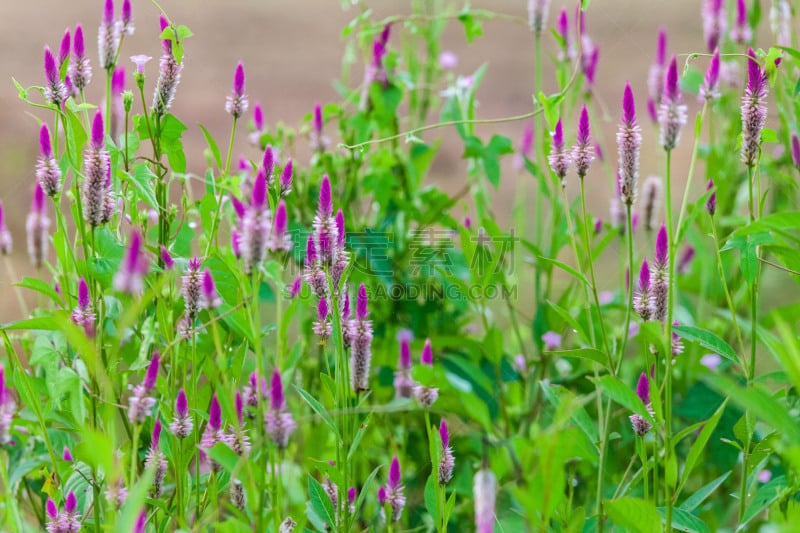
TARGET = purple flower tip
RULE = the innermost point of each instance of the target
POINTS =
(70, 503)
(286, 175)
(381, 495)
(795, 150)
(141, 522)
(280, 219)
(317, 118)
(152, 372)
(67, 455)
(385, 33)
(277, 401)
(181, 404)
(214, 413)
(44, 142)
(563, 23)
(297, 284)
(259, 198)
(239, 408)
(156, 436)
(394, 473)
(118, 81)
(351, 494)
(238, 206)
(671, 82)
(643, 389)
(427, 354)
(712, 75)
(583, 126)
(97, 131)
(163, 23)
(662, 245)
(405, 354)
(108, 12)
(325, 202)
(340, 236)
(166, 258)
(661, 51)
(644, 276)
(38, 199)
(311, 251)
(444, 433)
(558, 135)
(268, 162)
(258, 116)
(322, 309)
(63, 50)
(78, 45)
(52, 510)
(755, 78)
(50, 69)
(361, 303)
(238, 79)
(83, 294)
(628, 106)
(127, 14)
(209, 290)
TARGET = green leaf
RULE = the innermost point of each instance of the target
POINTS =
(319, 503)
(472, 27)
(685, 521)
(634, 514)
(764, 497)
(40, 287)
(143, 181)
(565, 267)
(223, 455)
(707, 340)
(623, 395)
(699, 446)
(212, 144)
(430, 496)
(692, 502)
(583, 353)
(319, 409)
(748, 244)
(134, 502)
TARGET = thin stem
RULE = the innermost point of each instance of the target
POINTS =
(698, 126)
(627, 323)
(727, 292)
(230, 148)
(107, 117)
(668, 451)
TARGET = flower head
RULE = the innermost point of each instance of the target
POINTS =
(394, 491)
(741, 33)
(709, 90)
(48, 173)
(559, 157)
(236, 103)
(655, 80)
(80, 72)
(583, 153)
(671, 113)
(711, 203)
(108, 37)
(360, 336)
(629, 142)
(210, 296)
(130, 276)
(485, 494)
(753, 110)
(551, 340)
(537, 14)
(37, 225)
(54, 92)
(63, 50)
(642, 298)
(182, 424)
(714, 22)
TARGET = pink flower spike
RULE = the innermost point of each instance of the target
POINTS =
(361, 303)
(286, 176)
(239, 408)
(63, 50)
(268, 163)
(83, 294)
(37, 205)
(127, 14)
(258, 117)
(643, 389)
(405, 354)
(394, 473)
(277, 400)
(98, 135)
(644, 276)
(44, 142)
(166, 258)
(182, 404)
(70, 503)
(52, 510)
(156, 436)
(214, 414)
(444, 433)
(662, 246)
(661, 49)
(259, 197)
(583, 126)
(325, 202)
(108, 12)
(152, 372)
(280, 224)
(211, 298)
(317, 118)
(795, 150)
(427, 354)
(50, 68)
(78, 45)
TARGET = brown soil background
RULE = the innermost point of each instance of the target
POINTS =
(292, 53)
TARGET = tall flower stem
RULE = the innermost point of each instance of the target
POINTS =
(629, 288)
(107, 117)
(668, 451)
(538, 150)
(698, 127)
(728, 298)
(230, 147)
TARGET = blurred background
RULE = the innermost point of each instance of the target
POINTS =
(292, 54)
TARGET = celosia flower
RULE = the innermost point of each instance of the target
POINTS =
(237, 439)
(258, 126)
(652, 193)
(5, 235)
(37, 225)
(48, 173)
(130, 276)
(127, 18)
(169, 75)
(525, 148)
(141, 402)
(63, 50)
(96, 192)
(182, 423)
(360, 334)
(566, 51)
(537, 14)
(191, 286)
(116, 493)
(685, 260)
(280, 240)
(54, 91)
(780, 17)
(711, 203)
(709, 90)
(559, 157)
(322, 326)
(484, 492)
(319, 141)
(655, 79)
(83, 314)
(313, 275)
(286, 177)
(551, 340)
(279, 422)
(287, 526)
(213, 433)
(256, 225)
(394, 490)
(268, 163)
(629, 142)
(108, 37)
(795, 150)
(661, 276)
(403, 384)
(117, 107)
(66, 522)
(754, 112)
(166, 258)
(296, 286)
(640, 425)
(426, 396)
(642, 297)
(80, 72)
(236, 104)
(209, 297)
(67, 455)
(715, 22)
(582, 152)
(677, 344)
(448, 461)
(7, 409)
(156, 460)
(671, 113)
(741, 33)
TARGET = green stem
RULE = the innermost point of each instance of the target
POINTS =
(698, 126)
(668, 451)
(727, 292)
(627, 323)
(230, 148)
(134, 454)
(107, 117)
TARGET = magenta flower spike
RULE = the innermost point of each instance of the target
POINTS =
(55, 92)
(795, 150)
(322, 327)
(484, 492)
(238, 207)
(661, 247)
(394, 473)
(277, 402)
(127, 18)
(297, 285)
(70, 503)
(590, 65)
(67, 455)
(655, 79)
(360, 337)
(48, 173)
(169, 75)
(78, 45)
(6, 243)
(709, 89)
(311, 251)
(325, 208)
(50, 67)
(741, 33)
(427, 354)
(83, 315)
(444, 433)
(551, 340)
(181, 404)
(381, 495)
(642, 298)
(239, 402)
(563, 26)
(52, 510)
(152, 372)
(236, 104)
(210, 296)
(108, 37)
(385, 33)
(280, 223)
(753, 110)
(672, 113)
(258, 200)
(447, 461)
(63, 50)
(685, 261)
(583, 153)
(268, 163)
(559, 157)
(118, 81)
(361, 303)
(98, 138)
(141, 522)
(214, 413)
(36, 226)
(405, 354)
(80, 72)
(643, 389)
(286, 177)
(166, 258)
(156, 435)
(182, 424)
(711, 203)
(130, 277)
(341, 236)
(629, 142)
(258, 117)
(714, 22)
(317, 123)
